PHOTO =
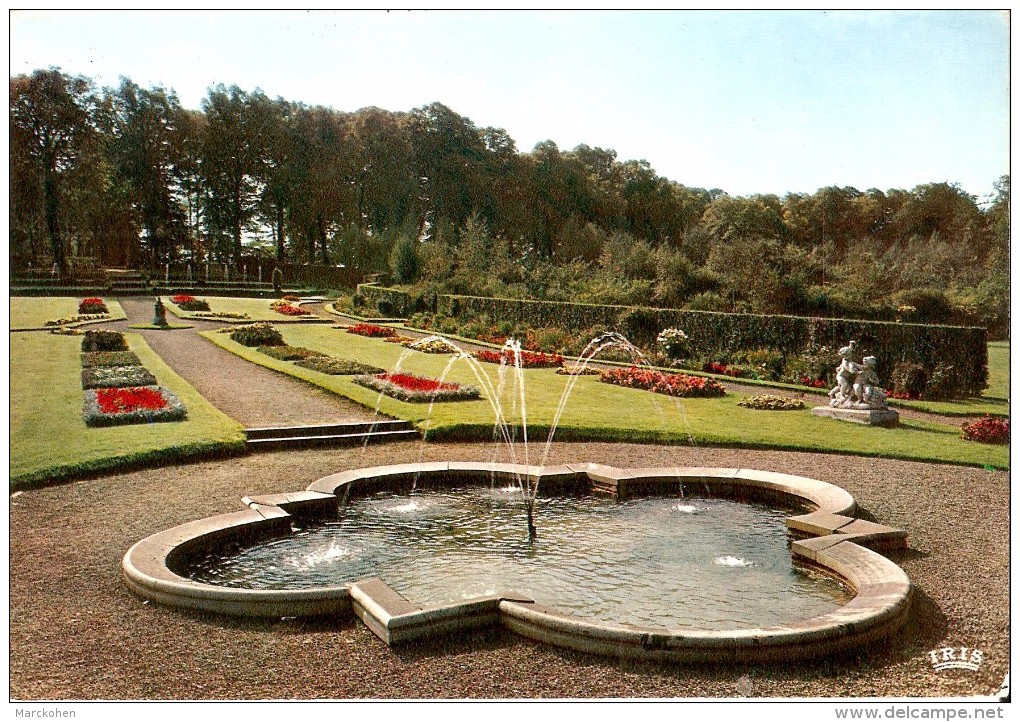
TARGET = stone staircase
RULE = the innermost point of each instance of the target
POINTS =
(319, 435)
(125, 282)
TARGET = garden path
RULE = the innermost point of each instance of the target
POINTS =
(250, 394)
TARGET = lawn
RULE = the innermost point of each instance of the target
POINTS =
(49, 439)
(258, 309)
(600, 411)
(35, 312)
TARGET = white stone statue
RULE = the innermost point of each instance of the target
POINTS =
(857, 383)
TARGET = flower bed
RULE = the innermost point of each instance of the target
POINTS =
(76, 319)
(371, 330)
(336, 366)
(285, 308)
(91, 306)
(131, 405)
(769, 402)
(104, 341)
(96, 377)
(529, 359)
(678, 385)
(189, 303)
(291, 297)
(408, 387)
(578, 370)
(735, 372)
(402, 340)
(110, 358)
(288, 353)
(221, 314)
(257, 334)
(433, 345)
(988, 430)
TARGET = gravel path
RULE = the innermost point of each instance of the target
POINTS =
(77, 633)
(247, 392)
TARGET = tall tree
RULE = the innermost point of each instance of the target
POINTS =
(52, 125)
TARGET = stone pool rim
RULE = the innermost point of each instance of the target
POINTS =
(832, 540)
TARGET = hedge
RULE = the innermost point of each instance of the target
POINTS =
(388, 301)
(962, 348)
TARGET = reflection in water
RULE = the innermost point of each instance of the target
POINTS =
(705, 563)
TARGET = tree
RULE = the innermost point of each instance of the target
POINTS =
(142, 151)
(52, 127)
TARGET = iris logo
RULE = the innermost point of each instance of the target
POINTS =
(956, 658)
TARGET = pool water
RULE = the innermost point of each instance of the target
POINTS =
(695, 562)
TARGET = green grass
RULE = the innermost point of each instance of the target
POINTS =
(49, 439)
(35, 312)
(998, 371)
(598, 411)
(258, 309)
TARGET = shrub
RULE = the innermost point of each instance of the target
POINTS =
(92, 306)
(988, 430)
(131, 405)
(288, 353)
(673, 343)
(679, 385)
(769, 402)
(417, 389)
(103, 341)
(371, 330)
(257, 334)
(291, 297)
(816, 369)
(765, 363)
(336, 366)
(110, 358)
(909, 380)
(95, 377)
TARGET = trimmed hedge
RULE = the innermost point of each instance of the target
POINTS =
(388, 301)
(964, 349)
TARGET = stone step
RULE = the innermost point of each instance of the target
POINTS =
(356, 427)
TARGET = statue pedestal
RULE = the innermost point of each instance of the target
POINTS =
(870, 417)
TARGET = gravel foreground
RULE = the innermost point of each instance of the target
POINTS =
(77, 633)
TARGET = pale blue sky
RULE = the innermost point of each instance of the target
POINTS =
(750, 102)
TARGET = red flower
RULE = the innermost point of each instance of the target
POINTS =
(416, 383)
(126, 400)
(679, 385)
(989, 430)
(92, 305)
(529, 359)
(182, 298)
(288, 310)
(371, 330)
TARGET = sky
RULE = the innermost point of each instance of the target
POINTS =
(763, 101)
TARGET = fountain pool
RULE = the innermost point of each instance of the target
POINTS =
(673, 564)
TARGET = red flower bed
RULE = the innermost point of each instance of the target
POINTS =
(291, 297)
(126, 400)
(92, 305)
(408, 387)
(713, 368)
(417, 383)
(989, 430)
(182, 298)
(371, 330)
(529, 359)
(813, 383)
(679, 385)
(287, 310)
(902, 395)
